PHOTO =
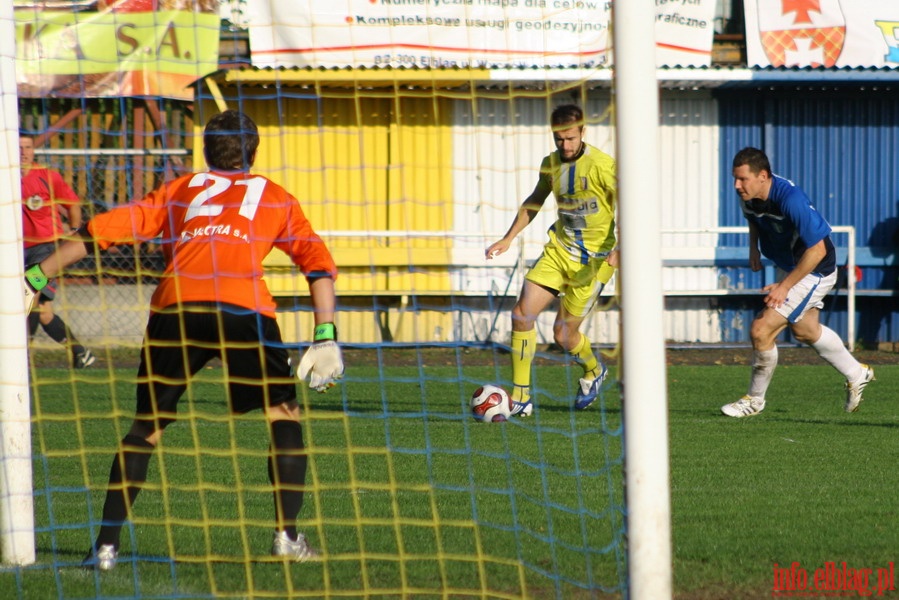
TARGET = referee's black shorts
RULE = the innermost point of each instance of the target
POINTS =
(179, 342)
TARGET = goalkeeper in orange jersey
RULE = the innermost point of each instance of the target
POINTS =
(577, 261)
(216, 228)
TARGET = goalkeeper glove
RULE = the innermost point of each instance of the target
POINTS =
(322, 362)
(35, 281)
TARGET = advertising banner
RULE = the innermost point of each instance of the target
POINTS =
(822, 33)
(126, 48)
(463, 33)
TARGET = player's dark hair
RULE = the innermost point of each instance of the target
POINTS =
(755, 158)
(568, 115)
(230, 141)
(24, 133)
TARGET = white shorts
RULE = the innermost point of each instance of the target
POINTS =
(809, 293)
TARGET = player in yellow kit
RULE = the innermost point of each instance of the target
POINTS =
(577, 261)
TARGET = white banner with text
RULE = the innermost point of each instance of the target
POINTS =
(464, 33)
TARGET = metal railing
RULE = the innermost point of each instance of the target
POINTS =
(850, 262)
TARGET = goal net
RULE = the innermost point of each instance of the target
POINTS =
(407, 493)
(408, 175)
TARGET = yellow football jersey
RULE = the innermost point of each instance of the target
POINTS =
(585, 192)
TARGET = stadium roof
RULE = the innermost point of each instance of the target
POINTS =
(669, 78)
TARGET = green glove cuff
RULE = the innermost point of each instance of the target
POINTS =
(324, 332)
(36, 278)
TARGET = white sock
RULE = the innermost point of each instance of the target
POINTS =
(830, 347)
(763, 364)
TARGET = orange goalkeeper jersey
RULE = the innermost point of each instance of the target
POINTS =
(215, 229)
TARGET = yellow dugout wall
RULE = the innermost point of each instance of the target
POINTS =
(371, 171)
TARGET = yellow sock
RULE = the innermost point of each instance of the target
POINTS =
(524, 346)
(585, 356)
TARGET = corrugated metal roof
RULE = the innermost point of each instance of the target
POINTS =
(539, 78)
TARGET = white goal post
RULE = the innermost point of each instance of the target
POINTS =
(643, 374)
(17, 544)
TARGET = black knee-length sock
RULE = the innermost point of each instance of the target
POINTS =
(34, 319)
(126, 477)
(287, 472)
(60, 332)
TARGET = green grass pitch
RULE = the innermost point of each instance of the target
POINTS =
(411, 498)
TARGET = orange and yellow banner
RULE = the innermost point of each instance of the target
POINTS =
(113, 52)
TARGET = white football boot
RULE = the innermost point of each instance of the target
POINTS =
(297, 551)
(746, 406)
(103, 558)
(854, 389)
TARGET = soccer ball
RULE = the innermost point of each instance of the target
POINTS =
(491, 403)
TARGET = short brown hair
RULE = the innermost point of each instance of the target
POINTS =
(567, 114)
(755, 158)
(230, 141)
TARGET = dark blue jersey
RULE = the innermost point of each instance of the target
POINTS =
(788, 224)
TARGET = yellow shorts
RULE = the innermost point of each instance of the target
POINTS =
(580, 285)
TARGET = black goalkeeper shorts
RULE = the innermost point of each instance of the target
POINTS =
(178, 343)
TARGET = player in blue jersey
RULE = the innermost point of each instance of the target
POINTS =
(577, 261)
(785, 227)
